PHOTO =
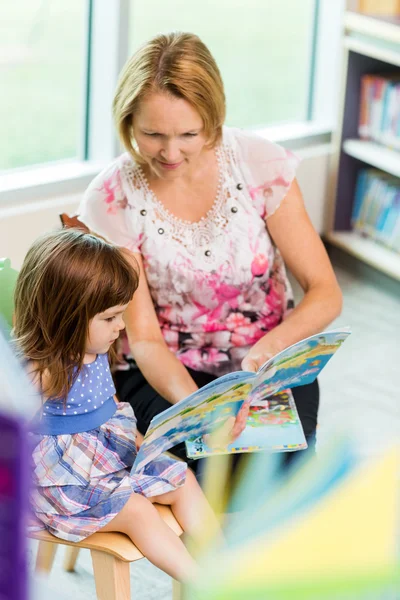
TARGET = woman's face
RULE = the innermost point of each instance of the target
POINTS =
(170, 135)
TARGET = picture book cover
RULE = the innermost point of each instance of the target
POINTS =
(208, 408)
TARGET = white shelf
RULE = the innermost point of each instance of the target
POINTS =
(374, 154)
(372, 50)
(383, 29)
(368, 251)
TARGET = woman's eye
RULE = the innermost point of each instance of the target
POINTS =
(190, 134)
(152, 134)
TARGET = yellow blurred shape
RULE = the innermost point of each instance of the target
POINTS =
(352, 531)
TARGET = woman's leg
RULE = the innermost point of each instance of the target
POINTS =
(142, 523)
(306, 398)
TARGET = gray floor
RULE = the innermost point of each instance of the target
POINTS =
(358, 395)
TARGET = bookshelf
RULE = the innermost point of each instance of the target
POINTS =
(371, 45)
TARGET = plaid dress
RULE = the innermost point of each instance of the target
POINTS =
(83, 480)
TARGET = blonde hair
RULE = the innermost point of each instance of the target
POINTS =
(68, 277)
(174, 63)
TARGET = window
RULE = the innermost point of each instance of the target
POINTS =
(60, 60)
(42, 49)
(264, 50)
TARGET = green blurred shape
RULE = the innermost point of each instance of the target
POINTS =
(8, 279)
(357, 587)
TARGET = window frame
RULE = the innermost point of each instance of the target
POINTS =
(99, 144)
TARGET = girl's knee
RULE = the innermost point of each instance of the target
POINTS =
(138, 505)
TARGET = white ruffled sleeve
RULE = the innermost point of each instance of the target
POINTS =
(269, 170)
(107, 211)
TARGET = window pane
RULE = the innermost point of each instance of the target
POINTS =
(263, 49)
(41, 80)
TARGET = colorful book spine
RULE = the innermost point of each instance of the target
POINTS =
(379, 113)
(376, 208)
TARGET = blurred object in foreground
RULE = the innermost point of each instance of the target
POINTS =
(380, 7)
(8, 279)
(329, 530)
(17, 405)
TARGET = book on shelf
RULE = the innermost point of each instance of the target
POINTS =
(379, 115)
(273, 423)
(376, 207)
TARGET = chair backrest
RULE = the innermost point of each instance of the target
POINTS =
(8, 279)
(73, 221)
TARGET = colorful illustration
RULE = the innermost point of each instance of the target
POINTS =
(273, 425)
(277, 429)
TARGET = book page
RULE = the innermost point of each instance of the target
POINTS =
(201, 412)
(299, 364)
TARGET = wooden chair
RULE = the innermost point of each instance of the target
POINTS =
(73, 221)
(111, 555)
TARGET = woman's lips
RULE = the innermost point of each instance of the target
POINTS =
(170, 166)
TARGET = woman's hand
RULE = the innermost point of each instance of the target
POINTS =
(229, 431)
(267, 347)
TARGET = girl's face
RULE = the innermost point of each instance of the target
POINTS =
(104, 329)
(170, 135)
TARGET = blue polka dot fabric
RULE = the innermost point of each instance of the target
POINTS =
(92, 388)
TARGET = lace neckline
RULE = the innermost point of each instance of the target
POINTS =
(168, 216)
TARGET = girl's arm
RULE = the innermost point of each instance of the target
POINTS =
(305, 256)
(160, 367)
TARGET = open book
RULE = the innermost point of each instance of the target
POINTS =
(268, 393)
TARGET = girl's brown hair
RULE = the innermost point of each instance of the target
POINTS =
(67, 278)
(176, 63)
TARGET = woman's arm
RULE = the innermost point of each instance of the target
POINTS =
(305, 256)
(160, 367)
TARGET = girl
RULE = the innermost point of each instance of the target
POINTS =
(70, 297)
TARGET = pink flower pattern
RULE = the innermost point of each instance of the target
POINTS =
(210, 312)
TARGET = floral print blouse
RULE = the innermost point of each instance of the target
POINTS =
(219, 284)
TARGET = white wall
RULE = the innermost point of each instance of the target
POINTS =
(21, 223)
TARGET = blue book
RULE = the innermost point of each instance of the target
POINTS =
(206, 410)
(361, 185)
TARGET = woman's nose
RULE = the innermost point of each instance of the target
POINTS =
(171, 152)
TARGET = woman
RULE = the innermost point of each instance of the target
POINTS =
(211, 214)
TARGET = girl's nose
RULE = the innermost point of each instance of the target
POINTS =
(121, 324)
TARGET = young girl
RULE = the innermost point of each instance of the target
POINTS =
(71, 294)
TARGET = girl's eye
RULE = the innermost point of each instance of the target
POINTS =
(109, 319)
(152, 134)
(190, 134)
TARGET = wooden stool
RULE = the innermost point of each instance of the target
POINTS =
(111, 554)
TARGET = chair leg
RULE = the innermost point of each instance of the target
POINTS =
(111, 577)
(45, 557)
(71, 554)
(176, 590)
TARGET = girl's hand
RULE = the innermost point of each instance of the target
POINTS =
(229, 431)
